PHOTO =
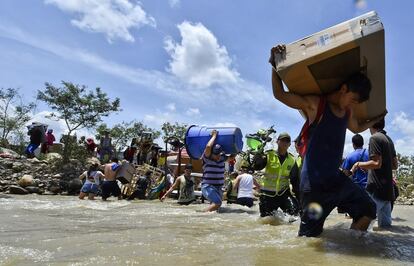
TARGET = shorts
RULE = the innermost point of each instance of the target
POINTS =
(110, 188)
(245, 202)
(268, 205)
(213, 193)
(347, 196)
(90, 188)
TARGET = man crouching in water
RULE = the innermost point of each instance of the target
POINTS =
(110, 186)
(213, 173)
(321, 184)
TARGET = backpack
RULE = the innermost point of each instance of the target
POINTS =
(305, 133)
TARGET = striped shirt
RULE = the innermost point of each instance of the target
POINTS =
(213, 171)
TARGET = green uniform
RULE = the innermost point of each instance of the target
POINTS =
(275, 189)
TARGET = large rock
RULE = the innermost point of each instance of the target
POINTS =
(74, 186)
(18, 190)
(33, 189)
(55, 189)
(7, 153)
(57, 176)
(35, 161)
(4, 182)
(26, 180)
(53, 157)
(8, 164)
(18, 167)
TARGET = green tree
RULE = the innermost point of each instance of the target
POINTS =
(177, 130)
(405, 172)
(124, 132)
(78, 107)
(13, 113)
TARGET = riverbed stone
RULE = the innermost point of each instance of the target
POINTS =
(26, 180)
(18, 190)
(33, 189)
(18, 167)
(55, 189)
(74, 186)
(53, 157)
(57, 176)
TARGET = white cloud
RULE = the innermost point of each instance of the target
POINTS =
(171, 107)
(199, 60)
(114, 18)
(174, 3)
(250, 104)
(193, 112)
(225, 124)
(157, 118)
(360, 4)
(404, 125)
(243, 93)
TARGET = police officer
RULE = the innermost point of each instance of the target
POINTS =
(275, 185)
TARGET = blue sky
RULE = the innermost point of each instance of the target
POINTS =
(192, 61)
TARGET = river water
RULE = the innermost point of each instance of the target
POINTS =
(59, 230)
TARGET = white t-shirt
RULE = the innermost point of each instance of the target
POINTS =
(95, 175)
(245, 186)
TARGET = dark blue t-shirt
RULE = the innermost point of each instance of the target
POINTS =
(320, 171)
(360, 176)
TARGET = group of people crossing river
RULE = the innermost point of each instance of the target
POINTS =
(310, 185)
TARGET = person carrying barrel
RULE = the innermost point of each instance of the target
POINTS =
(213, 172)
(321, 182)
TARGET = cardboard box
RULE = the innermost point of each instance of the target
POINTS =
(126, 172)
(320, 63)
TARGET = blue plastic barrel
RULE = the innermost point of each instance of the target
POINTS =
(196, 139)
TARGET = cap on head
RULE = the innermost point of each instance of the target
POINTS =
(50, 131)
(217, 149)
(284, 135)
(188, 166)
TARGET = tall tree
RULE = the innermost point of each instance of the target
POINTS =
(177, 130)
(78, 107)
(13, 112)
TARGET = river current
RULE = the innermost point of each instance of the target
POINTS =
(63, 230)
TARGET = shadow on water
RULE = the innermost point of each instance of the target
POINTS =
(399, 229)
(238, 210)
(398, 219)
(395, 244)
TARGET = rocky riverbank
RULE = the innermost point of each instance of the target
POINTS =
(47, 175)
(19, 175)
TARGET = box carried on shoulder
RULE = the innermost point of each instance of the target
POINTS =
(320, 63)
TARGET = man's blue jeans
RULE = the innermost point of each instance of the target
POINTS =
(383, 211)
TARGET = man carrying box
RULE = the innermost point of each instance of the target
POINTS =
(321, 181)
